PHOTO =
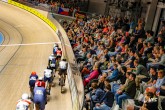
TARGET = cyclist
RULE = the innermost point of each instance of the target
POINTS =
(48, 77)
(59, 53)
(40, 82)
(63, 69)
(24, 103)
(51, 57)
(32, 79)
(52, 65)
(55, 48)
(40, 98)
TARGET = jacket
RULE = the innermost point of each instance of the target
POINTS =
(108, 98)
(130, 89)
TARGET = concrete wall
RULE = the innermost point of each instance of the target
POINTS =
(151, 14)
(97, 6)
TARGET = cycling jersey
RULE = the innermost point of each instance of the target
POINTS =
(47, 73)
(33, 77)
(53, 62)
(40, 97)
(55, 50)
(32, 80)
(63, 65)
(59, 53)
(40, 83)
(23, 104)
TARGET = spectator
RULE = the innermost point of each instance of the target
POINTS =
(129, 91)
(140, 71)
(114, 75)
(107, 100)
(161, 62)
(93, 75)
(151, 82)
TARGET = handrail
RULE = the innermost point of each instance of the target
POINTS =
(76, 86)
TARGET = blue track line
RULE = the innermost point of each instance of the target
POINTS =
(1, 38)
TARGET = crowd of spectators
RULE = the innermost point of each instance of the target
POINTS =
(119, 60)
(53, 5)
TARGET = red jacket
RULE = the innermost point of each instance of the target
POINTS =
(93, 75)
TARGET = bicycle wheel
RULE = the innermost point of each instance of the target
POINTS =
(62, 82)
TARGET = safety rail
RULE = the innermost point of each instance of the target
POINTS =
(76, 104)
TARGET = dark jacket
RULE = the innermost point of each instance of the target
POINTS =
(130, 89)
(108, 98)
(97, 96)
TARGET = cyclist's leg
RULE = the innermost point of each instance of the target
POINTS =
(37, 106)
(65, 73)
(42, 105)
(31, 92)
(50, 84)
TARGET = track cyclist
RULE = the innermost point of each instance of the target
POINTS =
(32, 80)
(40, 96)
(24, 103)
(63, 69)
(55, 48)
(48, 78)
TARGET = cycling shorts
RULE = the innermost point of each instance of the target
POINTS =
(48, 79)
(62, 71)
(32, 83)
(40, 103)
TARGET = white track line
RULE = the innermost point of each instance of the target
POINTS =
(29, 44)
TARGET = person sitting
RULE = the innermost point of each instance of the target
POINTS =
(129, 62)
(150, 103)
(115, 74)
(141, 72)
(93, 75)
(151, 82)
(107, 100)
(159, 64)
(129, 91)
(94, 95)
(160, 80)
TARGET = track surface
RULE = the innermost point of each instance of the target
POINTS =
(16, 62)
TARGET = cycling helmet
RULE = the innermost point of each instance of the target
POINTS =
(55, 45)
(33, 73)
(40, 78)
(25, 96)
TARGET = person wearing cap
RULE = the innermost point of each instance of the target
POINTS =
(24, 103)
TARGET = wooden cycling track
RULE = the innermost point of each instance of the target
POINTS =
(17, 62)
